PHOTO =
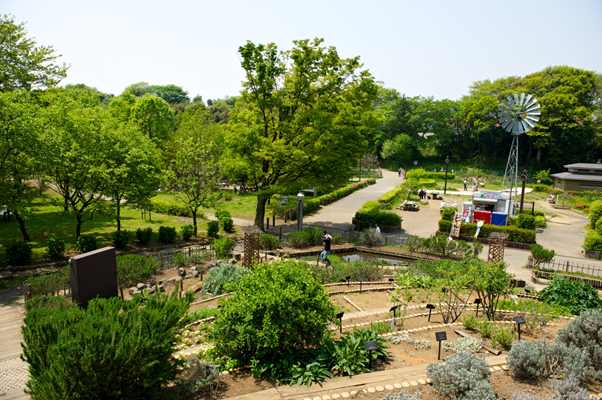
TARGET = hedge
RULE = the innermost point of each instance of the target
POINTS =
(378, 217)
(516, 234)
(166, 207)
(593, 241)
(420, 173)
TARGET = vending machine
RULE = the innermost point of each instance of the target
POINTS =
(467, 209)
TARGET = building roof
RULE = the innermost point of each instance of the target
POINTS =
(585, 166)
(578, 176)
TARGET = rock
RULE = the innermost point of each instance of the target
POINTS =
(212, 265)
(232, 261)
(135, 292)
(188, 276)
(195, 274)
(151, 282)
(140, 286)
(178, 279)
(182, 271)
(193, 268)
(151, 290)
(132, 290)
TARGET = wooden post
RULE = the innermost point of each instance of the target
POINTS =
(273, 219)
(280, 233)
(267, 220)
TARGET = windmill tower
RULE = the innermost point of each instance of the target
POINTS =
(517, 114)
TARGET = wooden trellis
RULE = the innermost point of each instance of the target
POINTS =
(497, 243)
(251, 241)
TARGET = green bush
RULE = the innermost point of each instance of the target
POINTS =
(595, 212)
(213, 229)
(86, 243)
(542, 188)
(18, 252)
(540, 222)
(120, 239)
(134, 268)
(187, 231)
(268, 242)
(541, 255)
(223, 247)
(536, 213)
(502, 338)
(220, 276)
(525, 221)
(593, 241)
(310, 236)
(470, 322)
(419, 173)
(166, 207)
(515, 233)
(370, 206)
(544, 176)
(225, 220)
(48, 302)
(114, 349)
(144, 235)
(56, 248)
(378, 217)
(195, 377)
(167, 234)
(340, 269)
(277, 308)
(49, 284)
(448, 213)
(577, 296)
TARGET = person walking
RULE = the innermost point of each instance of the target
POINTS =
(465, 184)
(399, 172)
(326, 241)
(378, 235)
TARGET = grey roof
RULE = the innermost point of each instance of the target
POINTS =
(577, 176)
(585, 166)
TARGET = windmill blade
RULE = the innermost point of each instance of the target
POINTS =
(536, 112)
(520, 127)
(529, 123)
(527, 99)
(536, 106)
(533, 118)
(526, 127)
(516, 99)
(511, 102)
(505, 125)
(514, 127)
(531, 102)
(522, 99)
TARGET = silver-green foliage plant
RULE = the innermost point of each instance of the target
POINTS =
(402, 396)
(463, 376)
(369, 237)
(195, 377)
(566, 389)
(404, 337)
(221, 275)
(469, 344)
(584, 333)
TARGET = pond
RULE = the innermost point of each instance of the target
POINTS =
(360, 256)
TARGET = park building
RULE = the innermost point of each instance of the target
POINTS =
(579, 177)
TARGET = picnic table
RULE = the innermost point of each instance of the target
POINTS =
(436, 196)
(410, 206)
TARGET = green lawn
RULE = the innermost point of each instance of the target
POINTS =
(46, 219)
(242, 205)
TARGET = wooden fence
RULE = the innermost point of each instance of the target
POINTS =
(569, 266)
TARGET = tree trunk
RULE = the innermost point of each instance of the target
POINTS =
(78, 228)
(118, 215)
(22, 227)
(260, 211)
(66, 206)
(194, 222)
(539, 156)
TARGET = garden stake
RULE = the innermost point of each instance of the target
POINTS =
(477, 302)
(430, 307)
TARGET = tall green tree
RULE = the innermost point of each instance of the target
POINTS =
(194, 169)
(154, 117)
(308, 117)
(23, 64)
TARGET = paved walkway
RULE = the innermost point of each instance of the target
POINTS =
(13, 372)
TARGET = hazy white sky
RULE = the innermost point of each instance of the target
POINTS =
(429, 48)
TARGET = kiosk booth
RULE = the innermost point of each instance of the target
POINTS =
(491, 207)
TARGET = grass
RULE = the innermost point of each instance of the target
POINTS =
(45, 219)
(241, 206)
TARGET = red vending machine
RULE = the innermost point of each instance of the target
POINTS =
(482, 216)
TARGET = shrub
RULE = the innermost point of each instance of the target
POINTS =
(369, 237)
(251, 323)
(584, 333)
(61, 344)
(448, 213)
(543, 176)
(540, 222)
(187, 231)
(213, 229)
(402, 396)
(268, 242)
(469, 344)
(462, 376)
(595, 212)
(48, 302)
(542, 188)
(144, 235)
(56, 248)
(308, 237)
(223, 247)
(527, 359)
(221, 275)
(593, 241)
(18, 252)
(120, 239)
(195, 377)
(86, 243)
(378, 217)
(525, 221)
(486, 328)
(225, 220)
(541, 255)
(470, 322)
(49, 284)
(515, 233)
(502, 337)
(166, 207)
(134, 268)
(167, 234)
(370, 206)
(577, 296)
(599, 226)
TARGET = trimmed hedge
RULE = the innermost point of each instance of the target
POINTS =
(593, 241)
(166, 207)
(420, 173)
(378, 217)
(516, 234)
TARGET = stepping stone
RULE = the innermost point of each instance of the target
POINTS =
(345, 395)
(496, 368)
(413, 383)
(397, 386)
(505, 368)
(422, 381)
(405, 384)
(336, 396)
(429, 381)
(491, 369)
(389, 387)
(380, 389)
(307, 398)
(317, 398)
(353, 392)
(371, 390)
(326, 397)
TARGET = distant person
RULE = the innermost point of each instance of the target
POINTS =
(421, 194)
(399, 172)
(234, 189)
(377, 231)
(465, 184)
(326, 240)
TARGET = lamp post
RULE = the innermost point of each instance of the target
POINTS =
(446, 165)
(523, 178)
(300, 197)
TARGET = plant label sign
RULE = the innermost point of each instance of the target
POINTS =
(371, 345)
(439, 336)
(519, 319)
(340, 315)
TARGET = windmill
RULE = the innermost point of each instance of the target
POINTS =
(517, 114)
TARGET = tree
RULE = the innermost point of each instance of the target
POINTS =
(305, 123)
(491, 281)
(154, 117)
(399, 149)
(194, 170)
(172, 94)
(19, 133)
(23, 65)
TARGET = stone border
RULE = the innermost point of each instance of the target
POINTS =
(596, 283)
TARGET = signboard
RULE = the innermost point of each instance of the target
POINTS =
(490, 195)
(519, 319)
(93, 274)
(340, 315)
(455, 230)
(430, 306)
(371, 345)
(439, 336)
(479, 226)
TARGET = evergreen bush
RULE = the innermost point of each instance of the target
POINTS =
(213, 229)
(167, 234)
(120, 239)
(86, 243)
(584, 333)
(114, 349)
(133, 269)
(268, 242)
(144, 235)
(187, 231)
(578, 296)
(369, 237)
(223, 247)
(525, 221)
(448, 213)
(225, 220)
(595, 212)
(56, 248)
(541, 255)
(593, 241)
(378, 217)
(310, 236)
(515, 234)
(18, 252)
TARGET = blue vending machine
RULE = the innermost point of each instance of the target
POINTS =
(499, 219)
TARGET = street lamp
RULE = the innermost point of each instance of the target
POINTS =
(523, 178)
(300, 197)
(446, 165)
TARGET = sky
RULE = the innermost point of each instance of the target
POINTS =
(420, 48)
